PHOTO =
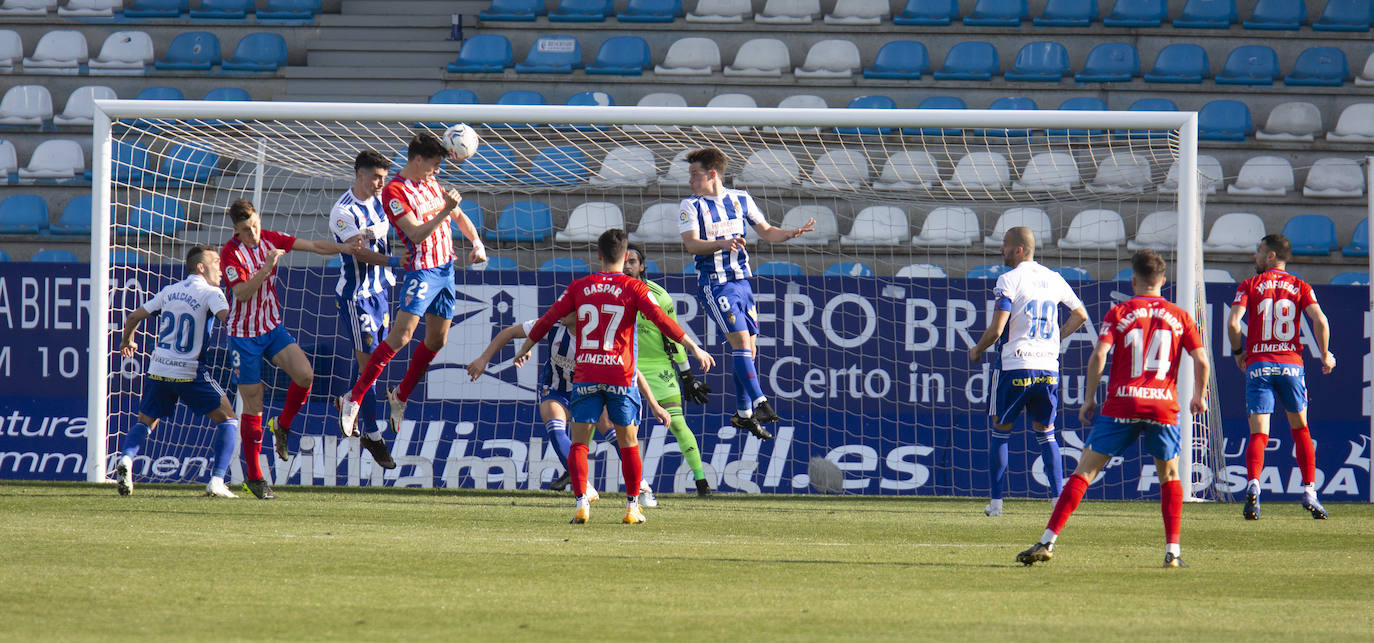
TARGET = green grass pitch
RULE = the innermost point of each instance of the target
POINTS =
(81, 563)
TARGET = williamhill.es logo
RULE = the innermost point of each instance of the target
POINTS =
(481, 312)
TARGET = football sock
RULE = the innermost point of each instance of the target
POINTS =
(1171, 507)
(374, 434)
(632, 468)
(747, 376)
(686, 441)
(295, 399)
(1306, 454)
(577, 468)
(557, 431)
(419, 365)
(1172, 548)
(1254, 455)
(367, 408)
(997, 462)
(1252, 487)
(250, 429)
(1049, 453)
(225, 433)
(1068, 502)
(373, 370)
(610, 437)
(743, 407)
(134, 442)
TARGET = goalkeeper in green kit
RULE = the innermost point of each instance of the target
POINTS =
(663, 363)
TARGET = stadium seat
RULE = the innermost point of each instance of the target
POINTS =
(1008, 103)
(1124, 274)
(475, 215)
(986, 271)
(1137, 14)
(839, 170)
(858, 12)
(761, 57)
(130, 162)
(1034, 218)
(156, 8)
(155, 214)
(622, 56)
(1079, 103)
(799, 101)
(830, 59)
(261, 52)
(1312, 235)
(76, 218)
(587, 99)
(1150, 105)
(125, 53)
(29, 8)
(721, 11)
(626, 166)
(1263, 176)
(776, 269)
(650, 11)
(979, 174)
(677, 173)
(565, 264)
(908, 170)
(1072, 273)
(519, 97)
(1111, 62)
(1350, 279)
(998, 13)
(9, 162)
(1366, 76)
(973, 60)
(1048, 172)
(937, 102)
(54, 160)
(80, 109)
(1286, 15)
(493, 163)
(659, 223)
(769, 166)
(1041, 61)
(289, 11)
(1334, 178)
(1293, 121)
(948, 226)
(565, 165)
(849, 269)
(59, 51)
(827, 226)
(1094, 229)
(130, 257)
(1180, 63)
(788, 12)
(1207, 14)
(743, 101)
(1250, 65)
(1345, 15)
(1355, 124)
(1121, 172)
(1224, 120)
(582, 11)
(928, 12)
(496, 263)
(1157, 231)
(523, 221)
(921, 271)
(878, 225)
(900, 59)
(4, 256)
(1359, 241)
(554, 54)
(160, 93)
(483, 54)
(513, 10)
(192, 50)
(1234, 232)
(869, 102)
(222, 10)
(26, 106)
(1319, 66)
(589, 220)
(228, 94)
(185, 163)
(1209, 176)
(23, 214)
(1067, 13)
(690, 57)
(55, 256)
(11, 49)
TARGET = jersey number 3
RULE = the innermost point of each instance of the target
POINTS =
(589, 319)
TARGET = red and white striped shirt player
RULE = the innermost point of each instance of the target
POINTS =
(261, 311)
(424, 200)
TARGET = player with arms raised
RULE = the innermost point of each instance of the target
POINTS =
(1146, 337)
(1271, 357)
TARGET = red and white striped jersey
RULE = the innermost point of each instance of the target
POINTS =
(1148, 337)
(261, 312)
(1274, 303)
(425, 200)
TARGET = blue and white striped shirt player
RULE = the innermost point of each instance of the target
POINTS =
(557, 373)
(716, 218)
(349, 218)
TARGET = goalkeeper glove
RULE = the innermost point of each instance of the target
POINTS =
(693, 389)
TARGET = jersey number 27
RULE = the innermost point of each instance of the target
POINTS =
(589, 319)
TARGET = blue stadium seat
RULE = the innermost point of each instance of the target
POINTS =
(565, 165)
(4, 256)
(228, 94)
(1137, 13)
(1207, 14)
(1111, 62)
(1080, 103)
(1312, 235)
(75, 219)
(156, 214)
(157, 8)
(130, 161)
(1359, 241)
(186, 163)
(591, 99)
(777, 269)
(622, 56)
(258, 52)
(1042, 61)
(126, 257)
(1345, 15)
(449, 97)
(475, 215)
(519, 97)
(582, 11)
(986, 271)
(513, 10)
(524, 221)
(553, 54)
(650, 11)
(160, 93)
(223, 9)
(191, 50)
(1319, 66)
(501, 263)
(937, 102)
(1224, 120)
(493, 163)
(565, 264)
(973, 60)
(290, 11)
(1124, 274)
(484, 54)
(928, 12)
(55, 256)
(900, 59)
(849, 269)
(1180, 63)
(1250, 65)
(1072, 273)
(1351, 279)
(869, 102)
(334, 262)
(1008, 103)
(23, 214)
(1067, 13)
(1150, 105)
(1284, 15)
(998, 13)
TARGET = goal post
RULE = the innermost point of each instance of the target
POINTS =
(294, 158)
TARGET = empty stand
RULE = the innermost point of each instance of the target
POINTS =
(849, 269)
(565, 264)
(289, 11)
(973, 60)
(1250, 65)
(830, 59)
(222, 9)
(978, 174)
(1034, 218)
(1263, 175)
(770, 166)
(192, 50)
(858, 12)
(60, 51)
(839, 169)
(29, 8)
(827, 227)
(1359, 241)
(1312, 235)
(1224, 120)
(588, 220)
(928, 12)
(769, 269)
(553, 54)
(1334, 178)
(1366, 76)
(900, 59)
(156, 214)
(9, 161)
(1121, 172)
(524, 221)
(582, 11)
(1292, 121)
(484, 53)
(908, 170)
(948, 226)
(11, 49)
(1179, 63)
(143, 9)
(1157, 231)
(921, 271)
(1354, 125)
(1072, 273)
(513, 10)
(721, 11)
(54, 160)
(693, 56)
(1207, 14)
(659, 223)
(725, 101)
(1041, 61)
(761, 57)
(626, 166)
(1319, 66)
(622, 56)
(26, 106)
(986, 271)
(1209, 171)
(262, 52)
(1137, 14)
(75, 219)
(54, 256)
(788, 12)
(1110, 62)
(187, 163)
(1094, 229)
(23, 214)
(1067, 13)
(124, 53)
(1287, 15)
(559, 165)
(878, 225)
(1345, 15)
(80, 108)
(678, 170)
(869, 102)
(1350, 279)
(1234, 232)
(1048, 172)
(998, 13)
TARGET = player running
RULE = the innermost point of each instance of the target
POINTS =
(256, 331)
(1272, 360)
(1027, 377)
(1143, 335)
(606, 304)
(176, 372)
(712, 224)
(420, 209)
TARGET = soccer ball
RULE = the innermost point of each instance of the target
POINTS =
(461, 141)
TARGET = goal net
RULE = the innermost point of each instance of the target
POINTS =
(865, 323)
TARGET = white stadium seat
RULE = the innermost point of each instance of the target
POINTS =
(1234, 232)
(978, 174)
(762, 57)
(1334, 177)
(1263, 176)
(1094, 229)
(770, 166)
(9, 161)
(588, 220)
(827, 226)
(26, 105)
(721, 11)
(859, 12)
(80, 109)
(690, 57)
(1217, 276)
(678, 169)
(16, 8)
(878, 225)
(908, 170)
(11, 49)
(839, 169)
(948, 226)
(1121, 172)
(90, 8)
(125, 53)
(58, 52)
(659, 223)
(830, 59)
(799, 101)
(1157, 231)
(56, 158)
(1034, 218)
(922, 271)
(788, 12)
(727, 101)
(1366, 77)
(1294, 121)
(1209, 176)
(659, 99)
(1355, 124)
(1049, 172)
(626, 166)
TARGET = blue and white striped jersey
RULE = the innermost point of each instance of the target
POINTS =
(349, 218)
(716, 218)
(557, 372)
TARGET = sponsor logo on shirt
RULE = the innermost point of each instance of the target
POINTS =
(397, 208)
(232, 273)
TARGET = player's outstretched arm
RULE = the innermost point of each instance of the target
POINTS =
(1233, 333)
(1096, 363)
(368, 255)
(127, 346)
(522, 354)
(1202, 369)
(990, 335)
(647, 393)
(479, 365)
(321, 247)
(1321, 330)
(778, 235)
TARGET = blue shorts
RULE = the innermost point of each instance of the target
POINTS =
(1111, 437)
(550, 394)
(160, 396)
(1266, 380)
(621, 403)
(429, 291)
(250, 351)
(365, 320)
(731, 305)
(1035, 391)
